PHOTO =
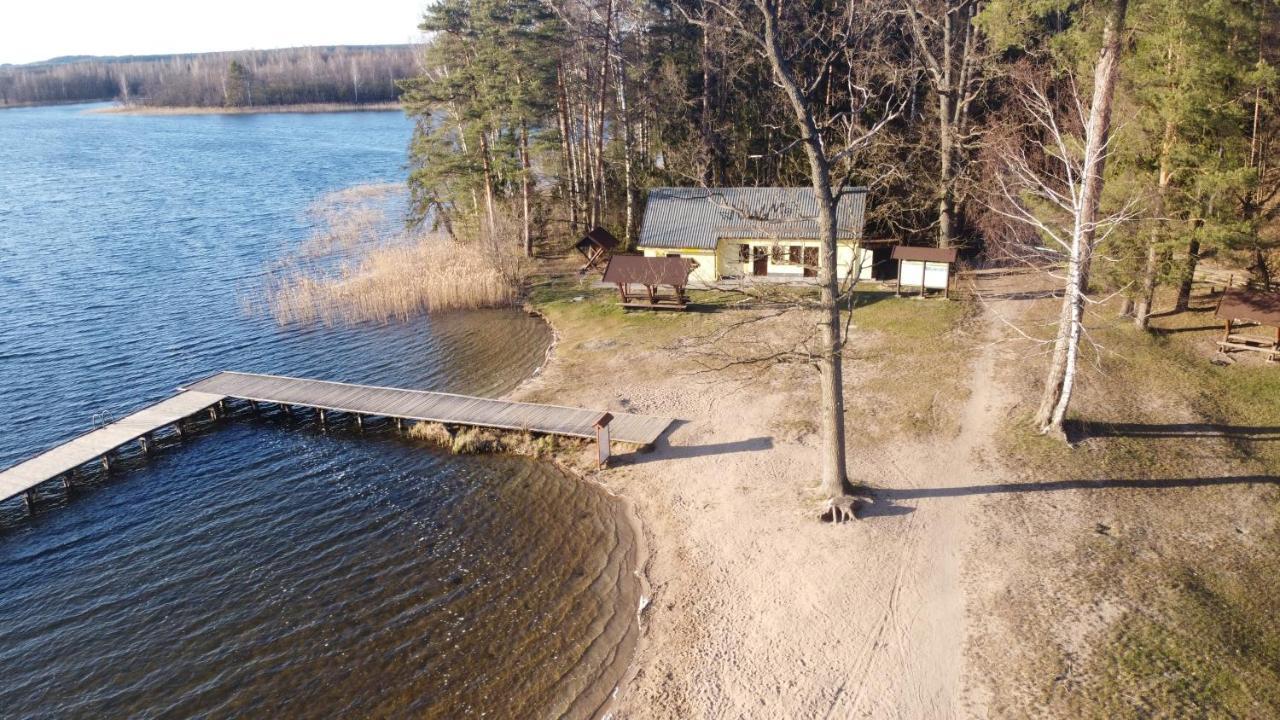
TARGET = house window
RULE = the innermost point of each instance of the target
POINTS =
(673, 254)
(744, 253)
(793, 254)
(776, 251)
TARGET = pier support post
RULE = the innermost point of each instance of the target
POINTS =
(145, 443)
(213, 413)
(399, 425)
(320, 416)
(182, 430)
(29, 500)
(253, 405)
(66, 481)
(286, 409)
(360, 422)
(222, 407)
(106, 463)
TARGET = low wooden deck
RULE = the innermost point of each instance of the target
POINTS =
(100, 442)
(445, 408)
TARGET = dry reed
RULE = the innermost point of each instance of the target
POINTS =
(360, 267)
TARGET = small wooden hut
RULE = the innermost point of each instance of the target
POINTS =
(651, 274)
(595, 246)
(1242, 305)
(926, 267)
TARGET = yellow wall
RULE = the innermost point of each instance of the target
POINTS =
(706, 273)
(730, 266)
(724, 262)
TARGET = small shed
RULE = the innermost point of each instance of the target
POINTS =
(652, 274)
(1251, 306)
(595, 245)
(925, 267)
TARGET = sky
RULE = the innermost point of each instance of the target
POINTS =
(32, 30)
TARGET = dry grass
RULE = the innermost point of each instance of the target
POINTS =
(434, 433)
(475, 441)
(1154, 591)
(361, 265)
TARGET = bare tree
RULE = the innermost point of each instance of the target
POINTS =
(947, 42)
(1051, 184)
(804, 46)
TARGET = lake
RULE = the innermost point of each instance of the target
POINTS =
(266, 567)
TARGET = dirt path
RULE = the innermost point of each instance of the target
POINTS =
(758, 610)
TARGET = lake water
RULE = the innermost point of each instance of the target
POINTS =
(264, 567)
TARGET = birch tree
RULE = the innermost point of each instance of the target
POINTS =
(1053, 182)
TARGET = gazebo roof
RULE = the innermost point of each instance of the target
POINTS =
(639, 270)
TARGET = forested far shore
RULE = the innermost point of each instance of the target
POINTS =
(355, 75)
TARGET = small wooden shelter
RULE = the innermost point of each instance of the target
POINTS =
(595, 246)
(652, 274)
(1252, 306)
(926, 267)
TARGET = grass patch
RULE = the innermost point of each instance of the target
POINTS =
(919, 352)
(1197, 576)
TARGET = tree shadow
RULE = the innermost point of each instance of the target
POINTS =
(1022, 295)
(1174, 331)
(895, 494)
(1078, 431)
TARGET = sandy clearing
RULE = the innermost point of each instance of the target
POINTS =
(759, 611)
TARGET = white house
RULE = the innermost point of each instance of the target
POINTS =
(752, 232)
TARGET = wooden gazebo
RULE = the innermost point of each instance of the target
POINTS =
(595, 246)
(1250, 306)
(651, 274)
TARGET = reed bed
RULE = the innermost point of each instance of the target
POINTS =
(361, 266)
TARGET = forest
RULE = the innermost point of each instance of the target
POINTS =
(344, 74)
(557, 114)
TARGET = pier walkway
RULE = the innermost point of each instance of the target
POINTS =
(439, 407)
(99, 443)
(213, 392)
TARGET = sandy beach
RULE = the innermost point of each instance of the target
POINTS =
(757, 609)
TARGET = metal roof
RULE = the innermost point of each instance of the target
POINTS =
(927, 254)
(1251, 305)
(699, 217)
(642, 270)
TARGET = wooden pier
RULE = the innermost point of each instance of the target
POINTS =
(445, 408)
(100, 443)
(323, 396)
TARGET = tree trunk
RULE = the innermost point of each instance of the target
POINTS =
(1057, 387)
(1104, 85)
(830, 359)
(1188, 276)
(526, 170)
(1150, 271)
(1147, 294)
(713, 173)
(628, 181)
(946, 201)
(488, 186)
(570, 179)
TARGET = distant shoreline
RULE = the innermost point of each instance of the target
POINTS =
(253, 110)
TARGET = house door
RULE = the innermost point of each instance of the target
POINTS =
(811, 262)
(760, 266)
